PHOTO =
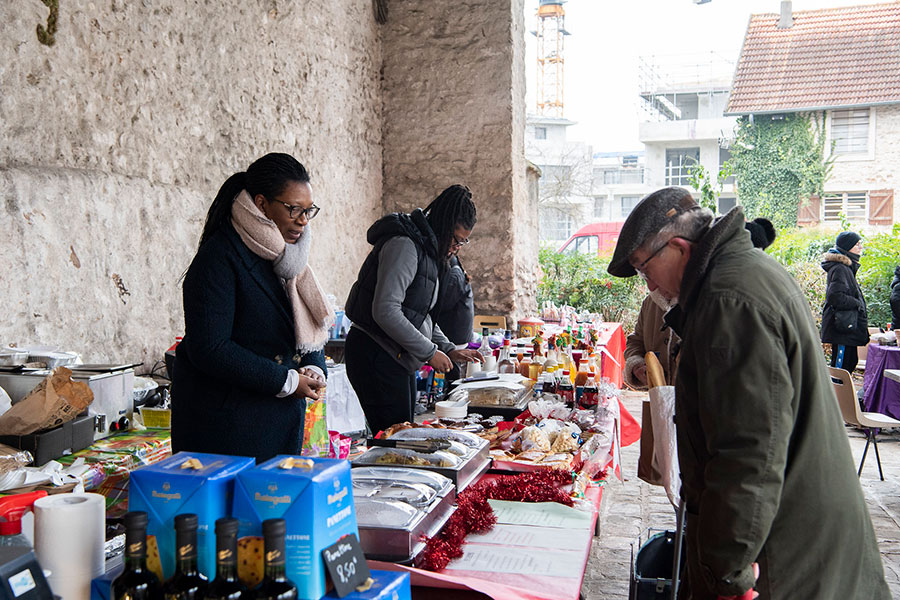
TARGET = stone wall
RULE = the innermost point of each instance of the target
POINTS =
(454, 112)
(114, 140)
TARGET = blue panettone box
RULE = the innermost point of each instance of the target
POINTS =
(315, 498)
(187, 482)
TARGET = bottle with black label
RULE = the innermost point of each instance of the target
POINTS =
(136, 582)
(275, 584)
(187, 583)
(226, 585)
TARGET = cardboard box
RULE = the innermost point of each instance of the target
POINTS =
(166, 489)
(389, 585)
(49, 444)
(314, 497)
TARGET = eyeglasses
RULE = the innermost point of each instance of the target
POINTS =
(294, 211)
(640, 268)
(459, 243)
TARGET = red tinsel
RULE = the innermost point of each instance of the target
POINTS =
(474, 514)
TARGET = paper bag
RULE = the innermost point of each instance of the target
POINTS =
(665, 447)
(54, 401)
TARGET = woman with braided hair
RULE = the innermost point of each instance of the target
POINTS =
(390, 305)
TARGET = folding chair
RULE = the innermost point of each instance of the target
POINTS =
(871, 422)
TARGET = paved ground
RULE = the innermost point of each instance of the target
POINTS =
(632, 507)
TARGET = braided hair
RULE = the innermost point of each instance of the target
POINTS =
(268, 176)
(451, 208)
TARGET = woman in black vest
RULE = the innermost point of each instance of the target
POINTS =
(255, 319)
(390, 305)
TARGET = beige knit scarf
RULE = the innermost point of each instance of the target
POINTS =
(311, 310)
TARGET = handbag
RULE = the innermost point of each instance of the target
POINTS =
(845, 320)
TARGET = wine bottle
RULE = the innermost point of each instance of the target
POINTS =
(275, 584)
(187, 583)
(226, 585)
(136, 582)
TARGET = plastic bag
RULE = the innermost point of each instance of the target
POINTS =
(316, 441)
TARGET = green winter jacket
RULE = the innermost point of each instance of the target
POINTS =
(766, 467)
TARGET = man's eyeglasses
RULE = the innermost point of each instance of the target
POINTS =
(640, 268)
(459, 243)
(294, 211)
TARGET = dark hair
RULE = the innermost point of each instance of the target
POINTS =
(268, 176)
(452, 207)
(762, 232)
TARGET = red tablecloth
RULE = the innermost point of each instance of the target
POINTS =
(882, 395)
(505, 586)
(612, 339)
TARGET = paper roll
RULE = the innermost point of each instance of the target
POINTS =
(69, 532)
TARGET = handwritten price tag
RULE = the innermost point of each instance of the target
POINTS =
(345, 564)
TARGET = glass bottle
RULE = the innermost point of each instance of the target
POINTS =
(275, 584)
(589, 396)
(187, 583)
(525, 366)
(136, 582)
(226, 585)
(506, 364)
(566, 389)
(485, 348)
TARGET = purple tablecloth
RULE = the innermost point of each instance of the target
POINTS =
(882, 394)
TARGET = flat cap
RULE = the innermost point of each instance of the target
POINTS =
(650, 215)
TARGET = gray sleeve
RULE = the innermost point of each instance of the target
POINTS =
(443, 343)
(396, 271)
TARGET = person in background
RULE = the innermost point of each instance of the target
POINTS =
(391, 304)
(650, 335)
(844, 316)
(757, 421)
(255, 319)
(762, 232)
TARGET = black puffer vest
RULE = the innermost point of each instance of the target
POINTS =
(417, 302)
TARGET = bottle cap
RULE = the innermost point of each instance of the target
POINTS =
(226, 526)
(274, 527)
(186, 522)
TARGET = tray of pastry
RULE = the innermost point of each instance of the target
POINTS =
(397, 508)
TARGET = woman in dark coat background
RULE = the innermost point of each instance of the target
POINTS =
(895, 302)
(844, 316)
(255, 319)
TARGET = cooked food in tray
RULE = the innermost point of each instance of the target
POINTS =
(401, 456)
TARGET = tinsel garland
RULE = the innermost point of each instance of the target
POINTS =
(474, 514)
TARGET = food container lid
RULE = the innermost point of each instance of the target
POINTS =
(433, 433)
(439, 483)
(414, 494)
(384, 513)
(403, 457)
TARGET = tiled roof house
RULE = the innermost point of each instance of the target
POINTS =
(843, 64)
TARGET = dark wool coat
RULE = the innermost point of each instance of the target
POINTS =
(895, 300)
(843, 301)
(238, 345)
(766, 467)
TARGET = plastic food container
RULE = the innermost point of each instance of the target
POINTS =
(12, 357)
(156, 418)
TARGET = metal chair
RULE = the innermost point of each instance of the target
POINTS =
(871, 422)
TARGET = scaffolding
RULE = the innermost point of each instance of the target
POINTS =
(550, 34)
(663, 78)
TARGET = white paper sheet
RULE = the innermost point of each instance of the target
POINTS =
(546, 538)
(543, 514)
(533, 561)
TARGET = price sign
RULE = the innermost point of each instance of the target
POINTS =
(346, 564)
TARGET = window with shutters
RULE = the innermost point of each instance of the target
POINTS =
(850, 131)
(853, 205)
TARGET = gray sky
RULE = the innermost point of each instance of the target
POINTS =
(608, 36)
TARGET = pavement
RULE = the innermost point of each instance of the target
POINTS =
(630, 508)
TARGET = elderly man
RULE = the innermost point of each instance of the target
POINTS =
(767, 473)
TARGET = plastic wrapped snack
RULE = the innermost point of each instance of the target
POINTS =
(551, 427)
(533, 438)
(566, 441)
(401, 456)
(508, 390)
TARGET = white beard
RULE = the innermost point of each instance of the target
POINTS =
(661, 301)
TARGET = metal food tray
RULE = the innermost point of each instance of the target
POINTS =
(469, 469)
(507, 412)
(401, 543)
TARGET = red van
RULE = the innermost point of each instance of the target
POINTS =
(596, 238)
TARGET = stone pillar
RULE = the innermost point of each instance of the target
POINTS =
(454, 112)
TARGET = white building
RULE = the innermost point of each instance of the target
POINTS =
(618, 185)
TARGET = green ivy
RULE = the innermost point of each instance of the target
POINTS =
(779, 162)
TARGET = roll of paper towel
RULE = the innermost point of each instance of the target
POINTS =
(69, 532)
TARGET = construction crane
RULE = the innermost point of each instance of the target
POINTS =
(551, 32)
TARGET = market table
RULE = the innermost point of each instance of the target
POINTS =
(521, 557)
(882, 394)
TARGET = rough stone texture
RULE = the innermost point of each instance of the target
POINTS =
(454, 112)
(114, 141)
